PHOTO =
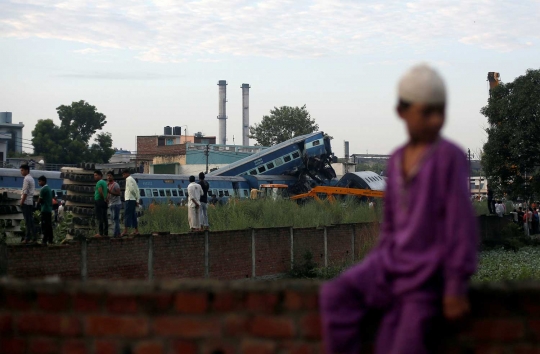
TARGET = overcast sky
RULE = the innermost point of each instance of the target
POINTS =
(146, 64)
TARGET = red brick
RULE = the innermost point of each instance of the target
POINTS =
(190, 302)
(300, 348)
(48, 324)
(148, 347)
(156, 303)
(12, 345)
(132, 327)
(251, 346)
(54, 302)
(102, 346)
(20, 301)
(272, 327)
(235, 325)
(43, 346)
(489, 349)
(6, 323)
(495, 329)
(211, 346)
(259, 302)
(186, 327)
(225, 301)
(310, 326)
(526, 349)
(87, 302)
(121, 304)
(74, 347)
(295, 301)
(183, 347)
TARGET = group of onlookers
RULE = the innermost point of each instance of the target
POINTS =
(198, 203)
(107, 197)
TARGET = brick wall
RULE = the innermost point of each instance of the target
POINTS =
(148, 146)
(211, 317)
(225, 255)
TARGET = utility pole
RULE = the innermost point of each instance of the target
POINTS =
(206, 152)
(470, 174)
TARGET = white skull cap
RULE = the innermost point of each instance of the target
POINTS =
(422, 84)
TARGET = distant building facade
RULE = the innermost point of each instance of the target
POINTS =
(10, 135)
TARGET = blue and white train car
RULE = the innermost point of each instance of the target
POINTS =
(309, 154)
(12, 178)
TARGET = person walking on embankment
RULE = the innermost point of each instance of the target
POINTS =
(46, 202)
(204, 201)
(115, 202)
(131, 197)
(194, 204)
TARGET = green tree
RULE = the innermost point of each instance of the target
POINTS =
(511, 160)
(70, 142)
(282, 124)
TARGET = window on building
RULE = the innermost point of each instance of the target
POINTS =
(295, 155)
(261, 169)
(287, 158)
(169, 141)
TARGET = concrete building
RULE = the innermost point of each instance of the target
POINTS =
(10, 135)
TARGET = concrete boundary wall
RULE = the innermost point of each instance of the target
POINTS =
(225, 255)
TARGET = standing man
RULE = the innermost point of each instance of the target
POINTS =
(46, 202)
(27, 204)
(131, 197)
(204, 201)
(100, 199)
(490, 201)
(115, 202)
(194, 196)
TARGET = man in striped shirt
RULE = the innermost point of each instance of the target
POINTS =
(27, 204)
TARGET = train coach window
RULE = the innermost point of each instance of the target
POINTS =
(246, 194)
(168, 192)
(316, 142)
(143, 194)
(161, 193)
(174, 193)
(287, 158)
(278, 161)
(295, 155)
(226, 193)
(180, 193)
(155, 193)
(214, 192)
(253, 172)
(270, 165)
(261, 169)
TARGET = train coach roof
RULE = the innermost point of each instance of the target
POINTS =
(186, 177)
(15, 172)
(363, 179)
(265, 152)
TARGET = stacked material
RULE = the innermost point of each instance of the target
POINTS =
(11, 211)
(80, 186)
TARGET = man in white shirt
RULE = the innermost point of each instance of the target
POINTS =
(194, 202)
(27, 204)
(131, 197)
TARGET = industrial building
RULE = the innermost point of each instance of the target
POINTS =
(11, 136)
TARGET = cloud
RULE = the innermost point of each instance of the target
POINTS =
(118, 76)
(175, 31)
(86, 51)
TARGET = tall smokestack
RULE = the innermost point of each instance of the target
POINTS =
(245, 114)
(222, 117)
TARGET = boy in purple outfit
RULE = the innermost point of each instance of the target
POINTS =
(427, 250)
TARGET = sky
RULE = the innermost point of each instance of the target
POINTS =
(147, 64)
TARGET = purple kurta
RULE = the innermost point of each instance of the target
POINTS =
(427, 250)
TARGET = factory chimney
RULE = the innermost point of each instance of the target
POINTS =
(245, 114)
(494, 79)
(222, 117)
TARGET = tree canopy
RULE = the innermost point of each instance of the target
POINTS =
(282, 124)
(511, 156)
(70, 142)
